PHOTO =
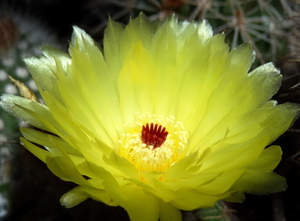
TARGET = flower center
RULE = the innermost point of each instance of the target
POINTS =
(153, 146)
(154, 135)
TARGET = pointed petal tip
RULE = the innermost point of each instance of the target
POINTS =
(80, 37)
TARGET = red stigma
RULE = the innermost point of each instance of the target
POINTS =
(154, 135)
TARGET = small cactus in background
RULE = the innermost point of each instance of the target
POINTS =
(21, 36)
(265, 23)
(220, 212)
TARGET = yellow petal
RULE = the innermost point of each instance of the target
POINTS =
(187, 165)
(168, 212)
(260, 183)
(119, 163)
(234, 156)
(221, 184)
(133, 200)
(23, 108)
(47, 80)
(48, 141)
(192, 199)
(268, 159)
(99, 195)
(43, 155)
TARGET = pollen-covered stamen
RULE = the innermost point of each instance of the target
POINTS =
(154, 135)
(153, 147)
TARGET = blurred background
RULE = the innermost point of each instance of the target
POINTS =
(28, 191)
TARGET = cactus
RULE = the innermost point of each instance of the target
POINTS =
(21, 36)
(265, 23)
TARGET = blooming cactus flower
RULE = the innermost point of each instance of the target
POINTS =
(164, 119)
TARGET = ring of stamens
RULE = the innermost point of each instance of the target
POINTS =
(153, 143)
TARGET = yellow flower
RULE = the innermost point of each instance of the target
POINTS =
(164, 118)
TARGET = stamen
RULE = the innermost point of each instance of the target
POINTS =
(155, 135)
(146, 143)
